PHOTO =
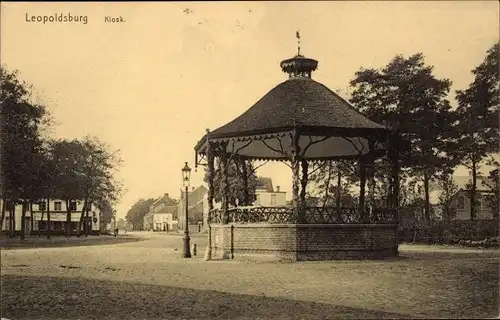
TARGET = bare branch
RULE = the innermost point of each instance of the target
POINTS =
(360, 152)
(322, 165)
(311, 143)
(254, 169)
(273, 149)
(281, 145)
(238, 150)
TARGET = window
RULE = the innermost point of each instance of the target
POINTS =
(42, 206)
(485, 201)
(257, 199)
(89, 206)
(461, 203)
(57, 206)
(273, 199)
(72, 205)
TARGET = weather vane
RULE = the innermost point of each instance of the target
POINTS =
(298, 42)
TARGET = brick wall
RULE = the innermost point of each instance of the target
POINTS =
(305, 242)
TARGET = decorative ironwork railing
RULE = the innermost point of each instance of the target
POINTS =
(307, 215)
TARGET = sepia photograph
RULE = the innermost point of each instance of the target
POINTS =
(250, 160)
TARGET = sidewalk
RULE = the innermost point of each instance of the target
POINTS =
(35, 241)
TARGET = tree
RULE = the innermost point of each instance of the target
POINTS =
(448, 191)
(407, 96)
(492, 182)
(106, 210)
(98, 183)
(46, 182)
(68, 160)
(85, 171)
(121, 224)
(21, 122)
(135, 215)
(237, 173)
(477, 126)
(332, 182)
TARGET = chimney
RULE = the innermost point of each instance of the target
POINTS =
(277, 188)
(166, 194)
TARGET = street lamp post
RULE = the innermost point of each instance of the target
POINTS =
(186, 175)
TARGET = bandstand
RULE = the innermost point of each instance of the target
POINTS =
(300, 122)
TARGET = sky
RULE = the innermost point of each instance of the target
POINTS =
(150, 85)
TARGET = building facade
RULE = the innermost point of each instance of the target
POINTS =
(36, 218)
(165, 219)
(196, 205)
(266, 196)
(461, 205)
(160, 207)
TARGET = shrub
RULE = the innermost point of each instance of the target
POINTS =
(450, 232)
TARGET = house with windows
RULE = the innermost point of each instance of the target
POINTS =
(461, 205)
(461, 202)
(266, 196)
(37, 216)
(165, 219)
(161, 215)
(196, 207)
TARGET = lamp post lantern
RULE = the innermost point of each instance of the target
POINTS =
(186, 176)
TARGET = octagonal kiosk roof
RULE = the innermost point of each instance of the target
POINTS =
(328, 126)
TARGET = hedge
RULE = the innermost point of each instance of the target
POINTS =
(448, 232)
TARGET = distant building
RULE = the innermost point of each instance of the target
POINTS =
(58, 213)
(195, 207)
(266, 196)
(165, 219)
(461, 203)
(159, 207)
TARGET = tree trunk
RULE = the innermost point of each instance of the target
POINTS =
(4, 206)
(305, 178)
(224, 188)
(31, 217)
(371, 176)
(68, 219)
(48, 218)
(338, 196)
(327, 184)
(41, 219)
(427, 204)
(473, 191)
(88, 223)
(23, 218)
(246, 193)
(12, 220)
(211, 177)
(295, 164)
(82, 215)
(362, 186)
(388, 194)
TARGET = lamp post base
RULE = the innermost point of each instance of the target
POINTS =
(187, 252)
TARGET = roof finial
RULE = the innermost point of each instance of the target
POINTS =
(299, 66)
(298, 42)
